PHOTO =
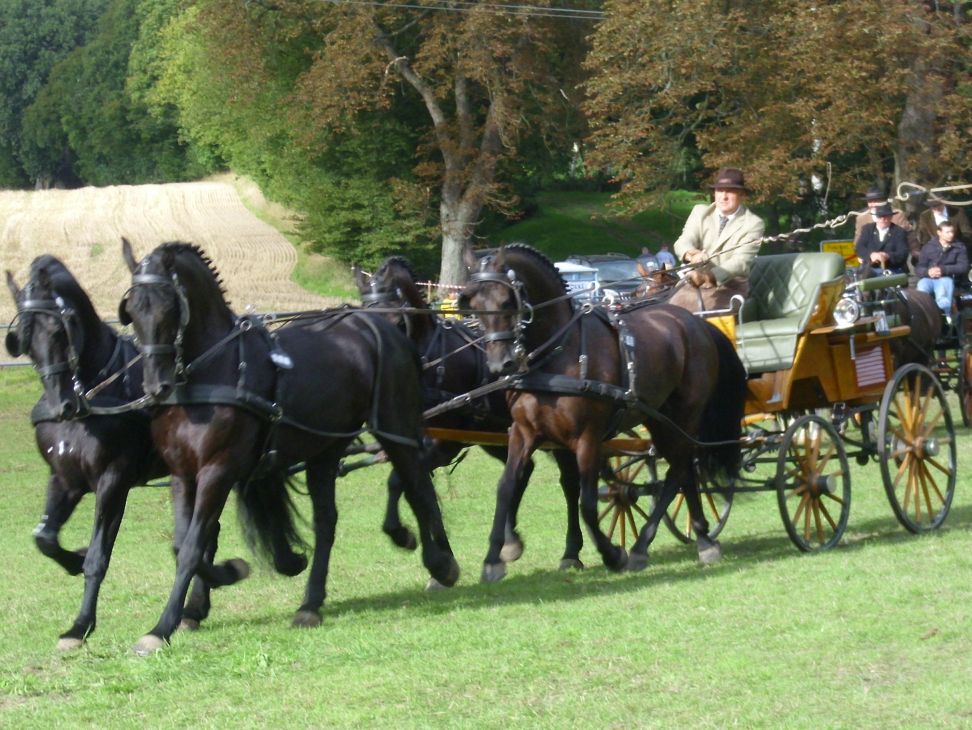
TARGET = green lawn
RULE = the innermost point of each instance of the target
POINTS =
(583, 223)
(874, 634)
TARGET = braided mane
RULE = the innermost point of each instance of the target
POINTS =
(180, 247)
(540, 257)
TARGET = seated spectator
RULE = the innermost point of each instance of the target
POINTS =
(937, 212)
(883, 245)
(876, 198)
(942, 259)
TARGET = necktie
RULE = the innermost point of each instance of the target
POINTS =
(722, 222)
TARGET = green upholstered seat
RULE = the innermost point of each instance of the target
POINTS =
(783, 291)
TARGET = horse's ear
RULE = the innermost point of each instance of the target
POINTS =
(12, 286)
(128, 255)
(469, 257)
(360, 278)
(499, 259)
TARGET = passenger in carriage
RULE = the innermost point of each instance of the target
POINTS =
(935, 213)
(876, 198)
(942, 259)
(883, 245)
(721, 239)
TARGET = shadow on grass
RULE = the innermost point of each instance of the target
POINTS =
(672, 564)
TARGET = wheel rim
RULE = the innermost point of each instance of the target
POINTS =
(813, 484)
(965, 385)
(917, 448)
(621, 514)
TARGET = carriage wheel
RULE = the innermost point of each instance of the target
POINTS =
(965, 385)
(716, 503)
(916, 445)
(813, 484)
(626, 478)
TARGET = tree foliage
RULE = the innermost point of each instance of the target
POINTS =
(792, 92)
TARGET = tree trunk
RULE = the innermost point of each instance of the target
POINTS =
(458, 221)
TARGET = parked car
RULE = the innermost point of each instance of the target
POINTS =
(581, 280)
(617, 275)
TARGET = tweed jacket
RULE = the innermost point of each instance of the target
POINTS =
(953, 261)
(895, 245)
(928, 229)
(732, 252)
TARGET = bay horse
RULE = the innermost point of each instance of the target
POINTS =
(582, 378)
(75, 353)
(239, 405)
(454, 363)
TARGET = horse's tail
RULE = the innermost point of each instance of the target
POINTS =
(268, 517)
(722, 420)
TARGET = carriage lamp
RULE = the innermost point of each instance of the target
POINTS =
(847, 312)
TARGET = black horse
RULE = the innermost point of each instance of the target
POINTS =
(583, 377)
(240, 406)
(88, 450)
(454, 363)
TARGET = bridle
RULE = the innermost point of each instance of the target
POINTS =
(175, 349)
(65, 316)
(524, 310)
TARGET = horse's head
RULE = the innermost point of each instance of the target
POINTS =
(157, 308)
(392, 288)
(46, 329)
(496, 294)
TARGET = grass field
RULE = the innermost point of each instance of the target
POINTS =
(583, 223)
(874, 634)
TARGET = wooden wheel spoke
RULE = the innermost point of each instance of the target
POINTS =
(940, 467)
(902, 468)
(835, 498)
(635, 470)
(614, 524)
(929, 479)
(610, 506)
(817, 522)
(822, 463)
(634, 528)
(806, 517)
(799, 509)
(826, 514)
(676, 506)
(713, 506)
(641, 512)
(922, 472)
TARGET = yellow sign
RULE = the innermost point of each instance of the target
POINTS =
(844, 248)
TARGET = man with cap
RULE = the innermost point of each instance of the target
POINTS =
(883, 244)
(875, 198)
(721, 240)
(937, 212)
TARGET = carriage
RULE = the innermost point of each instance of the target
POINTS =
(819, 394)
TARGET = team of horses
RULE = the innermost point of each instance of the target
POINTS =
(221, 403)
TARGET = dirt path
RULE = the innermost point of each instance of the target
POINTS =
(84, 227)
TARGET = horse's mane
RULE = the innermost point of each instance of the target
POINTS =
(539, 257)
(178, 248)
(414, 292)
(63, 283)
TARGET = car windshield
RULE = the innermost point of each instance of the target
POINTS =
(620, 271)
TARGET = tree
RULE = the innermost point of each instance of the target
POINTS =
(34, 36)
(485, 74)
(795, 93)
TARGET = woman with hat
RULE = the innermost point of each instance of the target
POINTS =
(721, 239)
(883, 244)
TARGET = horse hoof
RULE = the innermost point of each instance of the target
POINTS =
(306, 619)
(240, 567)
(571, 564)
(69, 643)
(710, 555)
(449, 577)
(512, 551)
(148, 645)
(619, 563)
(434, 585)
(636, 562)
(493, 572)
(189, 624)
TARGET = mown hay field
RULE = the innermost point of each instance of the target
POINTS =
(84, 228)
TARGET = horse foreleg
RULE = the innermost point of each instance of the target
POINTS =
(59, 505)
(709, 550)
(420, 493)
(321, 477)
(518, 455)
(588, 466)
(110, 498)
(191, 539)
(570, 484)
(513, 542)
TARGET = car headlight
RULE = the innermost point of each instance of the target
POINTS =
(847, 312)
